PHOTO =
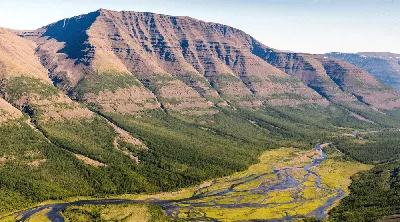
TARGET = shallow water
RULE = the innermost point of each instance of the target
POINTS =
(284, 180)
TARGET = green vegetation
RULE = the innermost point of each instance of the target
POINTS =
(288, 95)
(182, 151)
(180, 154)
(277, 79)
(113, 213)
(90, 137)
(154, 83)
(94, 139)
(250, 194)
(97, 82)
(374, 193)
(199, 83)
(223, 80)
(17, 87)
(23, 184)
(372, 147)
(35, 170)
(382, 120)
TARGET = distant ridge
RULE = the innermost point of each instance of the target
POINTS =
(385, 66)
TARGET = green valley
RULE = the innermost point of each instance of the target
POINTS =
(137, 116)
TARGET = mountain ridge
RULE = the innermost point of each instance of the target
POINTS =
(127, 63)
(316, 73)
(206, 66)
(385, 66)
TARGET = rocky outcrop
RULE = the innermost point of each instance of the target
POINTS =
(361, 84)
(185, 65)
(189, 65)
(306, 68)
(335, 80)
(384, 66)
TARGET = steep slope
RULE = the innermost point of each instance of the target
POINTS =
(337, 81)
(384, 66)
(308, 69)
(219, 53)
(361, 84)
(198, 62)
(15, 60)
(25, 82)
(67, 54)
(8, 112)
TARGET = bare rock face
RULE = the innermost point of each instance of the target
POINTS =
(187, 65)
(214, 53)
(384, 66)
(337, 81)
(361, 84)
(129, 62)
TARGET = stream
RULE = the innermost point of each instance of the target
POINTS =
(172, 207)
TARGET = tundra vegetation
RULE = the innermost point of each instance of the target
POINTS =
(286, 183)
(110, 213)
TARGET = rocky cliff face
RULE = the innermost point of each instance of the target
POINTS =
(309, 70)
(362, 85)
(383, 65)
(129, 62)
(337, 81)
(177, 63)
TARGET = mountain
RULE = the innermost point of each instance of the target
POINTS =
(202, 65)
(199, 62)
(21, 70)
(51, 146)
(92, 137)
(337, 81)
(113, 102)
(384, 66)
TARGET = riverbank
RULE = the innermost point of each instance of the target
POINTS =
(287, 183)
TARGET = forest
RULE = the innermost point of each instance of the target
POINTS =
(374, 193)
(182, 151)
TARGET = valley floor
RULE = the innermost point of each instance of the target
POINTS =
(286, 184)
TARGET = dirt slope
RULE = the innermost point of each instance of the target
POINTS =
(8, 112)
(25, 81)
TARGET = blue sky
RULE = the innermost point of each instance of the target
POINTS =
(314, 26)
